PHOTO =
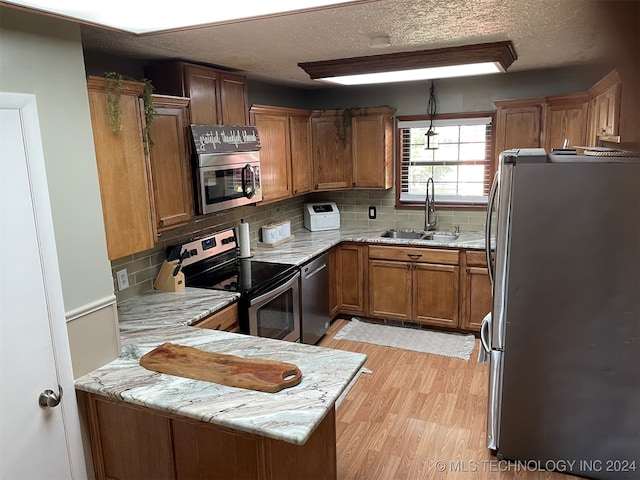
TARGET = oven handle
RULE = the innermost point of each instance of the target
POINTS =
(276, 291)
(248, 192)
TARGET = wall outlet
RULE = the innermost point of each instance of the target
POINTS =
(372, 212)
(123, 279)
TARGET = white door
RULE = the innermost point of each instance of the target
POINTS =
(35, 442)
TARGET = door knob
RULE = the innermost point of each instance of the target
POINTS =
(49, 398)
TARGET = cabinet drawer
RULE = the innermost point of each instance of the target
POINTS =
(225, 319)
(414, 254)
(476, 258)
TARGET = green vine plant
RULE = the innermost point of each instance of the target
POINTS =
(113, 85)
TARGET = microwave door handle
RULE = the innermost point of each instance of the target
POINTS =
(248, 192)
(487, 229)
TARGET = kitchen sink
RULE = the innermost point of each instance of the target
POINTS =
(420, 235)
(406, 234)
(442, 236)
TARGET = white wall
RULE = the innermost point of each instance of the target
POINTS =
(43, 56)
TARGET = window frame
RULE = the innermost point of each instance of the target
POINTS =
(446, 116)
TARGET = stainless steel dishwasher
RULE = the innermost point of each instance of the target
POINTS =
(314, 299)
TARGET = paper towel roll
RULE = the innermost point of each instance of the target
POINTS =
(243, 239)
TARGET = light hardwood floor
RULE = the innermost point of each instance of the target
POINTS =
(417, 416)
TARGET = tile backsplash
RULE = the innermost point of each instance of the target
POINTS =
(142, 268)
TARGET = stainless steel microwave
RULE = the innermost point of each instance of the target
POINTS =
(227, 180)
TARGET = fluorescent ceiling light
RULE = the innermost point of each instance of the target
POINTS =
(467, 60)
(140, 16)
(418, 74)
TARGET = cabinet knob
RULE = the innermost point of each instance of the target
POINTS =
(161, 223)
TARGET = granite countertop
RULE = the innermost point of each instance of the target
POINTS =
(156, 317)
(307, 245)
(291, 415)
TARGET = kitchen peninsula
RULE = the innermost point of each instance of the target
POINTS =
(145, 424)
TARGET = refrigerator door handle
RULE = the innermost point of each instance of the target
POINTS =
(485, 333)
(487, 228)
(495, 400)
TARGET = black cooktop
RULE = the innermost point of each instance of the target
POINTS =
(239, 275)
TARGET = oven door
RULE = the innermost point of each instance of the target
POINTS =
(226, 186)
(276, 314)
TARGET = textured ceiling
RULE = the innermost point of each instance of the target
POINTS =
(545, 34)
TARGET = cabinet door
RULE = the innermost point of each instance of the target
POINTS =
(518, 127)
(331, 155)
(170, 167)
(476, 297)
(275, 163)
(225, 319)
(390, 290)
(372, 156)
(567, 121)
(201, 83)
(300, 129)
(351, 274)
(333, 282)
(233, 104)
(435, 294)
(123, 171)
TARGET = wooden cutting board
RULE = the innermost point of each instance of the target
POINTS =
(251, 373)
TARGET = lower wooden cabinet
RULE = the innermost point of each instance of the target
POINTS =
(405, 285)
(350, 281)
(225, 319)
(435, 294)
(130, 442)
(477, 298)
(333, 282)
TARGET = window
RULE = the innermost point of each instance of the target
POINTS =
(460, 166)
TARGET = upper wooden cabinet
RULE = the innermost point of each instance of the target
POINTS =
(217, 97)
(372, 147)
(123, 170)
(604, 109)
(566, 119)
(354, 150)
(285, 154)
(170, 164)
(584, 119)
(331, 154)
(519, 123)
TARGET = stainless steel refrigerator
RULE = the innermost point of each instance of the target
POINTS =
(563, 337)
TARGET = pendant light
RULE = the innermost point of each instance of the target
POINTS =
(432, 139)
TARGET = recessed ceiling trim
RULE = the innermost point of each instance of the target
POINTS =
(134, 16)
(502, 53)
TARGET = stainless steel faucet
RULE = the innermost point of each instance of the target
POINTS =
(430, 217)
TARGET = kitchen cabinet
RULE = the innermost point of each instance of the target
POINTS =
(133, 442)
(519, 123)
(604, 109)
(225, 319)
(352, 151)
(476, 294)
(170, 163)
(566, 119)
(414, 284)
(217, 97)
(350, 281)
(333, 282)
(372, 148)
(285, 155)
(123, 170)
(331, 155)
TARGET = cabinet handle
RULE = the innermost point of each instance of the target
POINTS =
(218, 327)
(161, 223)
(414, 255)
